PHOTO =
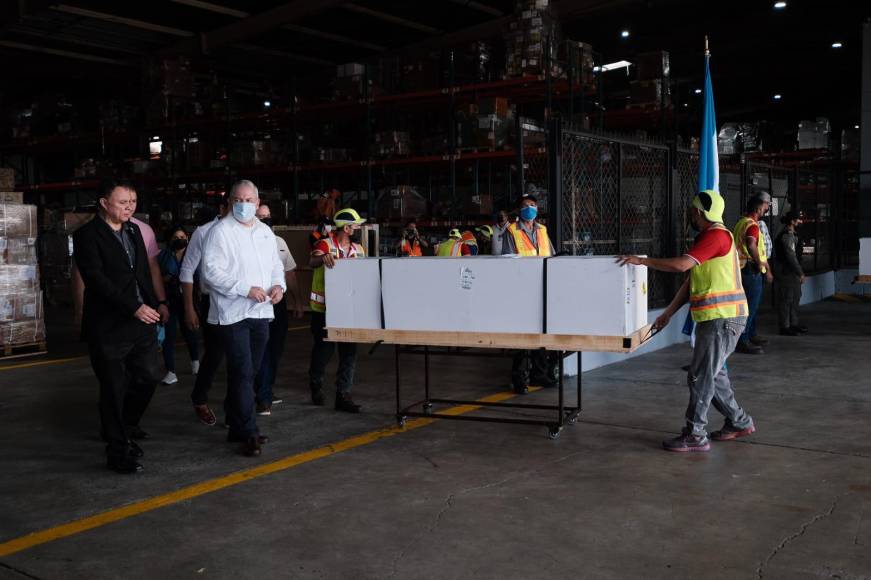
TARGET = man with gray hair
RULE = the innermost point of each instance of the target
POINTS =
(245, 277)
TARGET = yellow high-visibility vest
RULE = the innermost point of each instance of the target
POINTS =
(450, 247)
(715, 287)
(740, 240)
(524, 244)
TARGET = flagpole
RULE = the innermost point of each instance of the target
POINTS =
(707, 52)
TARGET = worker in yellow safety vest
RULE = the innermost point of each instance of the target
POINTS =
(719, 309)
(411, 245)
(343, 244)
(754, 268)
(453, 246)
(526, 237)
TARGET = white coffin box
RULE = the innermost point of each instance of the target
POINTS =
(353, 291)
(592, 295)
(487, 294)
(865, 257)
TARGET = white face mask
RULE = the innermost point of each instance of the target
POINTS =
(244, 211)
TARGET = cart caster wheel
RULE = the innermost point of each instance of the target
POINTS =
(572, 420)
(427, 409)
(401, 422)
(554, 432)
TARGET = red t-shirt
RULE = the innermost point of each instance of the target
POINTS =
(753, 232)
(711, 243)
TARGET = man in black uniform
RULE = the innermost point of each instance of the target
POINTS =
(119, 321)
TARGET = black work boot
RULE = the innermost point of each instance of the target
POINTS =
(344, 403)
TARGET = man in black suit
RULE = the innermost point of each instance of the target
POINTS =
(119, 321)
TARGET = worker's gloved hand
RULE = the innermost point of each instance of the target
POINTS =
(662, 321)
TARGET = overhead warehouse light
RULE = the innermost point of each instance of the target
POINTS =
(624, 34)
(778, 97)
(855, 126)
(698, 91)
(779, 5)
(837, 45)
(616, 65)
(267, 104)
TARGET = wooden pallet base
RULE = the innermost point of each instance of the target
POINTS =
(13, 351)
(862, 280)
(575, 343)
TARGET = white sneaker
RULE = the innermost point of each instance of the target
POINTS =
(277, 401)
(195, 367)
(170, 378)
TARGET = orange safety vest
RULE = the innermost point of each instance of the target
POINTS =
(318, 296)
(410, 250)
(523, 243)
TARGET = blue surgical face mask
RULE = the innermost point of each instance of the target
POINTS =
(244, 211)
(528, 213)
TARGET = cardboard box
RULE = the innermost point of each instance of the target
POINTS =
(354, 294)
(865, 257)
(13, 333)
(11, 197)
(591, 295)
(17, 221)
(21, 307)
(20, 251)
(15, 279)
(463, 294)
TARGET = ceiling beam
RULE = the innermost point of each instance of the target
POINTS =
(262, 22)
(486, 9)
(71, 39)
(357, 9)
(284, 54)
(132, 22)
(65, 53)
(218, 9)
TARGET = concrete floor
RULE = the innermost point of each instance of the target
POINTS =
(457, 499)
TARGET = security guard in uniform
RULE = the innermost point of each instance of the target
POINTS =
(527, 237)
(719, 309)
(343, 244)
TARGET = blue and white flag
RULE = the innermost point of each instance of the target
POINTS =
(709, 166)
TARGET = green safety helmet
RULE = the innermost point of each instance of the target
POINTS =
(455, 233)
(485, 231)
(711, 204)
(347, 217)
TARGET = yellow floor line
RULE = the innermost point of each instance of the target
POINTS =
(56, 361)
(211, 485)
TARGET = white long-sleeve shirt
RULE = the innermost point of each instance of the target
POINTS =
(193, 256)
(235, 259)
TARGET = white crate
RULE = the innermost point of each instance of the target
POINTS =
(865, 257)
(592, 295)
(353, 292)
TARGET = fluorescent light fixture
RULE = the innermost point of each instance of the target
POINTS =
(837, 45)
(616, 65)
(155, 147)
(777, 97)
(698, 91)
(624, 34)
(597, 68)
(686, 104)
(267, 104)
(855, 126)
(780, 5)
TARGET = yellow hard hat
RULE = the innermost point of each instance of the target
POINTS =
(346, 217)
(486, 231)
(711, 204)
(455, 233)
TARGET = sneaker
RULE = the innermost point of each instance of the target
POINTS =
(727, 433)
(686, 443)
(346, 404)
(195, 367)
(747, 348)
(205, 415)
(789, 332)
(759, 340)
(170, 379)
(277, 401)
(264, 410)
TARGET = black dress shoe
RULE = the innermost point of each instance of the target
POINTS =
(251, 447)
(134, 450)
(789, 332)
(747, 348)
(262, 439)
(801, 329)
(123, 465)
(520, 389)
(138, 434)
(345, 404)
(318, 398)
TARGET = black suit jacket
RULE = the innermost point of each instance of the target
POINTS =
(110, 282)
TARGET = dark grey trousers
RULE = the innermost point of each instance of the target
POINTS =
(708, 377)
(788, 299)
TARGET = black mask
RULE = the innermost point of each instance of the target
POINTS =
(267, 221)
(179, 244)
(357, 236)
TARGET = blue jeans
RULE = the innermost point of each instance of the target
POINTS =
(244, 345)
(753, 285)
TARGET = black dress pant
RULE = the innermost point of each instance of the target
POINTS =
(212, 357)
(128, 370)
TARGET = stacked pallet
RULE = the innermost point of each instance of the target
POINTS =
(22, 320)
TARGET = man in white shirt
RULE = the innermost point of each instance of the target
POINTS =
(265, 380)
(245, 278)
(196, 316)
